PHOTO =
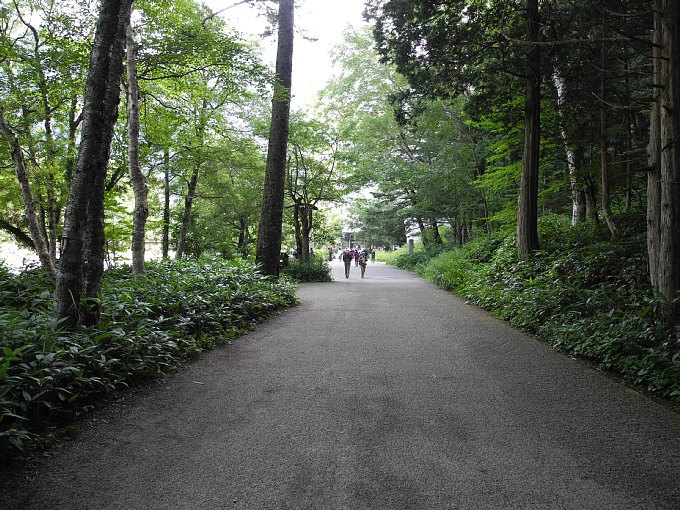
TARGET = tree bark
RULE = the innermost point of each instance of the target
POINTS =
(82, 241)
(664, 180)
(305, 229)
(186, 215)
(578, 206)
(298, 228)
(269, 233)
(165, 243)
(139, 187)
(436, 236)
(527, 215)
(654, 152)
(604, 139)
(39, 240)
(243, 235)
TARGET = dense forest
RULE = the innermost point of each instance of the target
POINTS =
(530, 146)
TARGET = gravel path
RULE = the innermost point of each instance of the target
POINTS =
(383, 393)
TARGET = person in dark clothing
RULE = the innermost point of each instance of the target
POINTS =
(347, 259)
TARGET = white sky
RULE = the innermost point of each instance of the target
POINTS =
(324, 20)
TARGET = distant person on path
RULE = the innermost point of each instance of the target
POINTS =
(363, 260)
(356, 257)
(330, 253)
(372, 255)
(347, 259)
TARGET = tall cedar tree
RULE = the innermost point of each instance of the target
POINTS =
(82, 243)
(269, 234)
(527, 210)
(663, 194)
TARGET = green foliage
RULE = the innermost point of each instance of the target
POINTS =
(584, 294)
(411, 262)
(316, 270)
(148, 327)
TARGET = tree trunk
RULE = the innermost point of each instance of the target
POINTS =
(298, 228)
(527, 215)
(269, 233)
(186, 216)
(243, 235)
(604, 139)
(39, 240)
(94, 247)
(102, 94)
(71, 148)
(166, 203)
(139, 187)
(604, 168)
(578, 207)
(654, 151)
(666, 150)
(305, 229)
(453, 223)
(423, 230)
(52, 224)
(436, 236)
(590, 192)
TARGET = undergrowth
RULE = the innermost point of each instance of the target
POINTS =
(148, 327)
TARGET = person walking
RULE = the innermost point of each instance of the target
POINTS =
(363, 260)
(347, 259)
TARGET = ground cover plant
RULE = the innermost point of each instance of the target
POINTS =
(148, 327)
(583, 293)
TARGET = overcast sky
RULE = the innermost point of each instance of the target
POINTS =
(324, 20)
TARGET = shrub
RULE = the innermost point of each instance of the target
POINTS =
(316, 270)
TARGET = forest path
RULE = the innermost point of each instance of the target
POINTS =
(384, 393)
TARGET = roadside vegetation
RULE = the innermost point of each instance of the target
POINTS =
(316, 269)
(148, 327)
(583, 293)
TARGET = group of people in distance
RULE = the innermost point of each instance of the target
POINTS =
(360, 258)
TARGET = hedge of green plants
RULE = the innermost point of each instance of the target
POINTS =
(315, 270)
(583, 293)
(148, 327)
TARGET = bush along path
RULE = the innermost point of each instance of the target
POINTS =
(584, 293)
(48, 376)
